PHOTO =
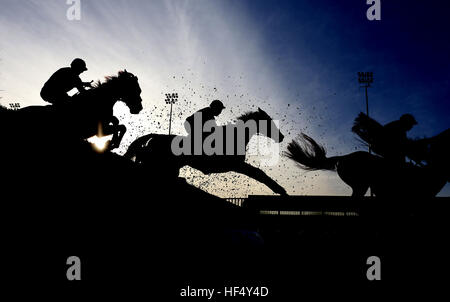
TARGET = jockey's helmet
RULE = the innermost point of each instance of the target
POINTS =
(216, 104)
(78, 64)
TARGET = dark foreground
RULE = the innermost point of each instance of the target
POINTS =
(140, 235)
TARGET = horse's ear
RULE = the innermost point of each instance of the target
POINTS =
(125, 71)
(262, 112)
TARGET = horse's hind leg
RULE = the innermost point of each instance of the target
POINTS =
(354, 175)
(260, 176)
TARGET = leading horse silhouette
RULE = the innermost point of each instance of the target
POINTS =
(361, 170)
(155, 152)
(89, 113)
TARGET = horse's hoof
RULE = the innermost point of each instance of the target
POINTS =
(282, 192)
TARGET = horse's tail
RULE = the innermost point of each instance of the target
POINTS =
(309, 155)
(137, 145)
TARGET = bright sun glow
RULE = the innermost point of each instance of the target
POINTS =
(99, 142)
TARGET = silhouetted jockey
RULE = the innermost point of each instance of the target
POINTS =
(390, 140)
(396, 140)
(62, 81)
(204, 115)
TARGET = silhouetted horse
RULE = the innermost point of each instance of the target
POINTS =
(155, 152)
(361, 170)
(89, 113)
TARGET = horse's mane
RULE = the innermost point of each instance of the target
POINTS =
(252, 115)
(246, 116)
(99, 85)
(111, 79)
(108, 79)
(96, 89)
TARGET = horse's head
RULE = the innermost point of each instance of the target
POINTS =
(129, 91)
(263, 124)
(267, 126)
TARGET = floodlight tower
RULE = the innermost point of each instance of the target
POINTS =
(365, 79)
(14, 106)
(171, 98)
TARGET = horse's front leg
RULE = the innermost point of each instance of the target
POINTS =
(118, 133)
(259, 175)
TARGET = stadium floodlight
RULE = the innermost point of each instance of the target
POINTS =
(365, 79)
(14, 106)
(171, 99)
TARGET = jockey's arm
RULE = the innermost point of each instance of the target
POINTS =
(80, 84)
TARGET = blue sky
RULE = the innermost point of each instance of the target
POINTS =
(328, 41)
(298, 60)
